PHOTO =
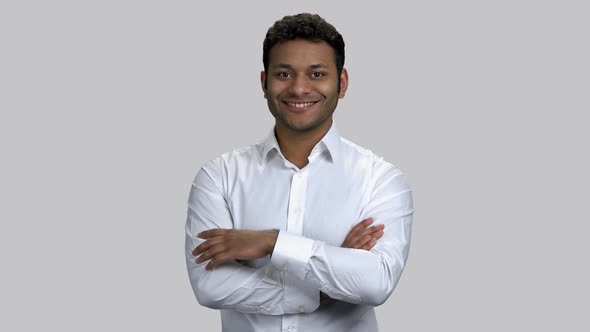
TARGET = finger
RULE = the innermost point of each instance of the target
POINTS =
(210, 253)
(376, 228)
(365, 223)
(218, 259)
(207, 244)
(369, 245)
(354, 232)
(213, 233)
(352, 240)
(360, 230)
(361, 225)
(361, 241)
(369, 231)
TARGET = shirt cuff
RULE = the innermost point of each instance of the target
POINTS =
(292, 253)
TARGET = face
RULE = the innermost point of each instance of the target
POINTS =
(301, 85)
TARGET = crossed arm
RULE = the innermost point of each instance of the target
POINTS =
(344, 273)
(224, 245)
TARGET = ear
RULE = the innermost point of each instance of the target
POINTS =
(263, 82)
(343, 83)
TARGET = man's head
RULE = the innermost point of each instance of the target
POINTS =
(304, 73)
(310, 27)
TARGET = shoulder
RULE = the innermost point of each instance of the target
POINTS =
(218, 168)
(355, 154)
(380, 170)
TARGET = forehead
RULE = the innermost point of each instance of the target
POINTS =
(300, 52)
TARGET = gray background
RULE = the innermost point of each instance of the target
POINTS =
(109, 108)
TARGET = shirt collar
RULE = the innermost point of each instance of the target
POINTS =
(331, 141)
(270, 143)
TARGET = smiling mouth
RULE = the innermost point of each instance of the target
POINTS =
(300, 105)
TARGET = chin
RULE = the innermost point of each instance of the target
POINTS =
(304, 127)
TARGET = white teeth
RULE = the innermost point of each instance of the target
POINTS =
(300, 105)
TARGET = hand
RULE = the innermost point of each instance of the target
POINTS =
(224, 245)
(361, 236)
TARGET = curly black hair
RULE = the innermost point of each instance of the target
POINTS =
(306, 26)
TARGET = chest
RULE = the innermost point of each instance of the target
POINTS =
(322, 205)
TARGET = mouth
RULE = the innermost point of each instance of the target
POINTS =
(299, 106)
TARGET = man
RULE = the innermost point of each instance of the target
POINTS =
(305, 231)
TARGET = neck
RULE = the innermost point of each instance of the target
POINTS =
(296, 146)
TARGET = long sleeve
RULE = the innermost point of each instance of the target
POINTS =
(353, 275)
(232, 285)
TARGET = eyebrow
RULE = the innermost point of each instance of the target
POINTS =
(288, 66)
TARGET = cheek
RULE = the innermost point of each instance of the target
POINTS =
(273, 92)
(329, 89)
(275, 86)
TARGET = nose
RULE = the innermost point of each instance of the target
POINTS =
(300, 86)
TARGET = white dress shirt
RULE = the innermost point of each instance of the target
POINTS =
(314, 208)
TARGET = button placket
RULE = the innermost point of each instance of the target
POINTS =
(290, 323)
(295, 213)
(297, 203)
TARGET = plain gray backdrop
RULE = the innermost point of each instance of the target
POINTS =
(109, 108)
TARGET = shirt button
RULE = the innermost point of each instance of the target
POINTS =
(285, 268)
(301, 309)
(290, 328)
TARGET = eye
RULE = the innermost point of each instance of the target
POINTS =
(317, 74)
(284, 74)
